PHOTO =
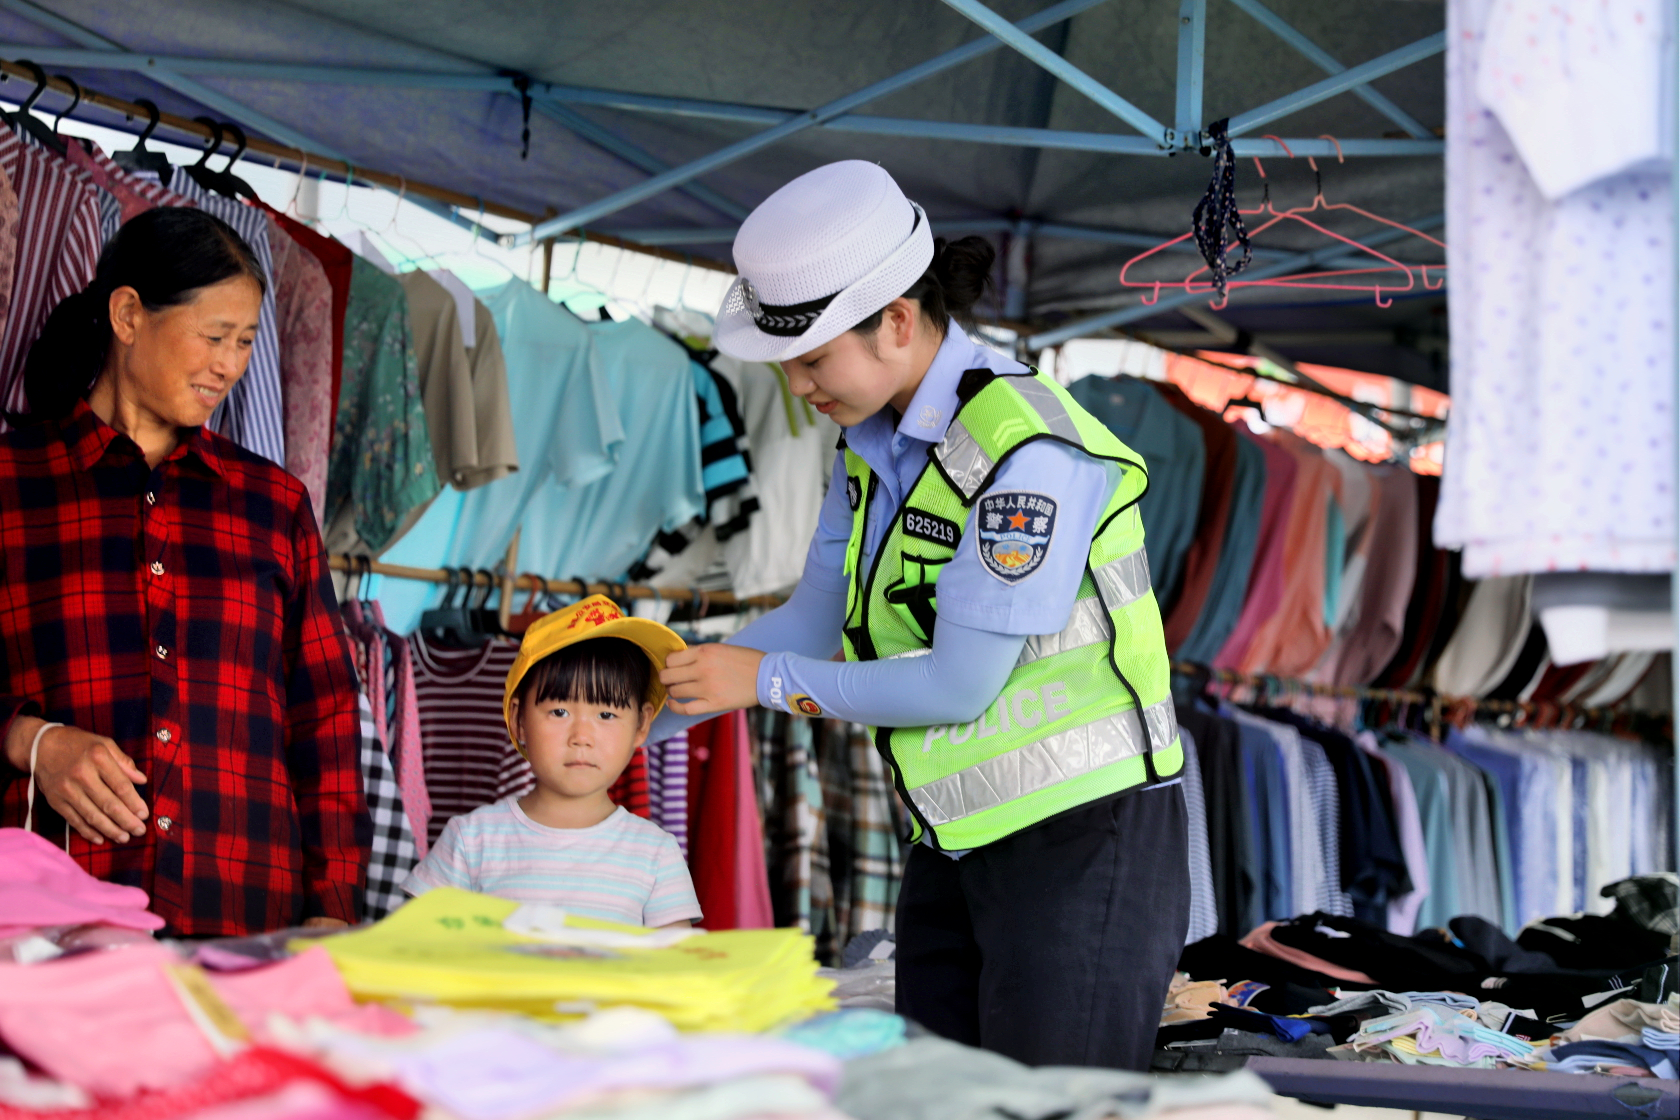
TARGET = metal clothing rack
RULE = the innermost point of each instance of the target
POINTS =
(1446, 709)
(305, 162)
(511, 584)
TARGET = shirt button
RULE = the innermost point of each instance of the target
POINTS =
(157, 567)
(163, 734)
(151, 498)
(163, 654)
(164, 823)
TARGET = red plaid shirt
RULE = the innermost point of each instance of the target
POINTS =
(186, 612)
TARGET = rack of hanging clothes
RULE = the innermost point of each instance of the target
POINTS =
(375, 390)
(435, 745)
(1407, 809)
(1234, 503)
(786, 821)
(730, 469)
(701, 600)
(407, 403)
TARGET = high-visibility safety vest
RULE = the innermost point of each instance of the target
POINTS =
(1087, 712)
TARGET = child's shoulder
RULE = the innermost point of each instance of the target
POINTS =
(639, 829)
(498, 816)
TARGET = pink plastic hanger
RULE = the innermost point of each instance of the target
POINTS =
(1383, 279)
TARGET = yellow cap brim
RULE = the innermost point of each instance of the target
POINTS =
(551, 634)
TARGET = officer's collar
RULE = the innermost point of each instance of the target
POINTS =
(935, 402)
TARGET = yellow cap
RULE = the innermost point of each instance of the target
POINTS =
(594, 617)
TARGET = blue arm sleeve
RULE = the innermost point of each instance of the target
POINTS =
(808, 624)
(951, 683)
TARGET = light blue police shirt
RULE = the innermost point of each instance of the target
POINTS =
(969, 593)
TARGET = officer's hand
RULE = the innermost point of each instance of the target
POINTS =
(712, 678)
(86, 777)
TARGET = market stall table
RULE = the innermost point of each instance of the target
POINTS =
(1484, 1094)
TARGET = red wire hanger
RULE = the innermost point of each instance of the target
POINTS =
(1383, 277)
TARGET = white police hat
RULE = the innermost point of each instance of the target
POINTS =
(817, 258)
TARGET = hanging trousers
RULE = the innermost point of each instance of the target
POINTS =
(1054, 946)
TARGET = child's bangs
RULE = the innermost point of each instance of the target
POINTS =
(609, 671)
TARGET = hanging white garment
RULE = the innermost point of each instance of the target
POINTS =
(1560, 443)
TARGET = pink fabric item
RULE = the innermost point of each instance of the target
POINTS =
(42, 886)
(752, 877)
(304, 986)
(1265, 581)
(252, 1075)
(303, 317)
(1260, 940)
(53, 1014)
(1295, 636)
(50, 1013)
(1390, 575)
(300, 1100)
(404, 744)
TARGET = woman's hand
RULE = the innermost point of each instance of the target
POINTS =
(85, 777)
(712, 678)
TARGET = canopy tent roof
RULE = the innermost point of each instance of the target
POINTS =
(430, 90)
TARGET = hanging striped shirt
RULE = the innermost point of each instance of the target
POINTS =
(469, 760)
(58, 243)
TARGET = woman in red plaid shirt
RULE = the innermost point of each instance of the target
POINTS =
(176, 692)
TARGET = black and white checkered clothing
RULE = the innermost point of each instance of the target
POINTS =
(1204, 913)
(1648, 901)
(393, 838)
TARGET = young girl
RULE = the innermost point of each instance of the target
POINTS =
(579, 701)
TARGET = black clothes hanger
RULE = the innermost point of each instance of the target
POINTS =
(482, 622)
(225, 182)
(200, 171)
(457, 620)
(76, 90)
(440, 620)
(141, 158)
(25, 121)
(364, 571)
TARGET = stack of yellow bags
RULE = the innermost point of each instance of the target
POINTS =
(450, 946)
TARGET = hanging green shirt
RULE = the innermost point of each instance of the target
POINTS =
(381, 464)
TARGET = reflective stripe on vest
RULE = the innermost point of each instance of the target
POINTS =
(963, 460)
(1043, 762)
(1121, 583)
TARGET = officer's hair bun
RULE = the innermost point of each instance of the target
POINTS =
(962, 270)
(951, 288)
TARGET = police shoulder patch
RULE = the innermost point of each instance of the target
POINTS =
(930, 528)
(1014, 532)
(804, 705)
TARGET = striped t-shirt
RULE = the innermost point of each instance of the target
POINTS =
(624, 869)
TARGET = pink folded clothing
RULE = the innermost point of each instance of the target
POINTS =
(109, 1022)
(126, 997)
(305, 986)
(1261, 941)
(42, 886)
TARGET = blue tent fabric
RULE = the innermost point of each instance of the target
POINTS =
(773, 54)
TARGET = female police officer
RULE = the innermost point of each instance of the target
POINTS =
(979, 559)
